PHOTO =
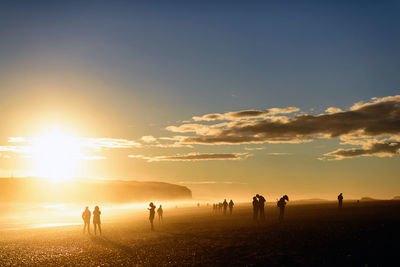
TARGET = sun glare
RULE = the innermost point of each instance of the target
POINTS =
(56, 154)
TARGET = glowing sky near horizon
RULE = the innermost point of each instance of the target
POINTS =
(228, 99)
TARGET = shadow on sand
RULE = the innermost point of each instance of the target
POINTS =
(105, 242)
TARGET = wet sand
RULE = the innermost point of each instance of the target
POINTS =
(318, 234)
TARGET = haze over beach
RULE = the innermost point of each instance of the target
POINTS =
(187, 103)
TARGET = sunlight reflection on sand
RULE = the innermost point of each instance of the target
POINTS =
(40, 215)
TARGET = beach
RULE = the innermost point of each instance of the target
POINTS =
(312, 234)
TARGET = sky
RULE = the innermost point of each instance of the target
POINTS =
(229, 98)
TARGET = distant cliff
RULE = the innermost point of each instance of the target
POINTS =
(86, 190)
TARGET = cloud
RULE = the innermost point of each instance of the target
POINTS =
(254, 148)
(16, 139)
(164, 142)
(194, 157)
(148, 139)
(278, 154)
(245, 114)
(379, 149)
(93, 157)
(332, 110)
(379, 117)
(173, 145)
(209, 182)
(16, 149)
(229, 182)
(84, 146)
(109, 143)
(199, 129)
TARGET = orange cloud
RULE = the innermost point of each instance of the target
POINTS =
(194, 157)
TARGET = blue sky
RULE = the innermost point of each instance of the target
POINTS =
(264, 53)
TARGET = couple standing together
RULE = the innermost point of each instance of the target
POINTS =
(160, 212)
(96, 219)
(258, 207)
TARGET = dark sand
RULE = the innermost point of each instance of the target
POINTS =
(359, 235)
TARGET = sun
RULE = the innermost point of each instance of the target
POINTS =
(56, 154)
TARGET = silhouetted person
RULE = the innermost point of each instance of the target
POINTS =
(160, 214)
(152, 213)
(340, 200)
(225, 204)
(255, 208)
(261, 201)
(86, 219)
(231, 204)
(96, 219)
(281, 205)
(219, 206)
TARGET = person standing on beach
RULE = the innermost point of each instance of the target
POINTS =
(160, 214)
(96, 219)
(86, 219)
(261, 201)
(255, 208)
(225, 204)
(281, 205)
(231, 204)
(340, 200)
(152, 213)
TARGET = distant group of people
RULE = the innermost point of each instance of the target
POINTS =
(96, 219)
(224, 206)
(152, 210)
(258, 211)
